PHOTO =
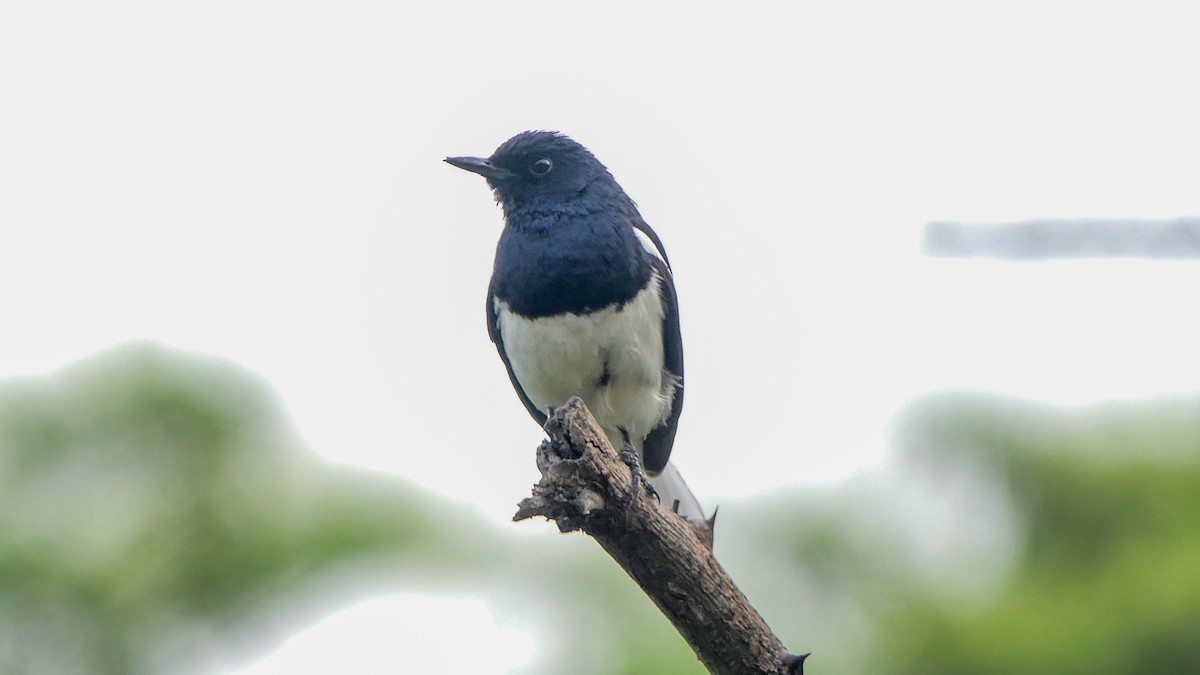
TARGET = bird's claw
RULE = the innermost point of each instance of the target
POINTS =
(637, 476)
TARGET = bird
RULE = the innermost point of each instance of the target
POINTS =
(582, 302)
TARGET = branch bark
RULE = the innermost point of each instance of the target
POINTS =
(585, 486)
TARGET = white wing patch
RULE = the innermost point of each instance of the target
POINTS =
(647, 243)
(611, 358)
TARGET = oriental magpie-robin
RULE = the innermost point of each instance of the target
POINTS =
(582, 301)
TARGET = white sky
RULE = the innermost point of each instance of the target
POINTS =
(262, 181)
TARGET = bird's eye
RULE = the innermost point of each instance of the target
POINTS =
(541, 167)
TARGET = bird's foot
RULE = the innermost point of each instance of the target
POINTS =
(638, 479)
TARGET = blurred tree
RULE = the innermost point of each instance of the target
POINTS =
(152, 503)
(1108, 576)
(1001, 538)
(156, 507)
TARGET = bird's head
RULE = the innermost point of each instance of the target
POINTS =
(540, 168)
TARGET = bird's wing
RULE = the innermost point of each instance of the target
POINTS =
(656, 449)
(494, 333)
(642, 226)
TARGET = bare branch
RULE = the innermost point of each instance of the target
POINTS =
(585, 486)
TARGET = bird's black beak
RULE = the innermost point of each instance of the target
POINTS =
(480, 166)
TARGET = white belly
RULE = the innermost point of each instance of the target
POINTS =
(555, 358)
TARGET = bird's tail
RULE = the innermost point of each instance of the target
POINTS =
(674, 490)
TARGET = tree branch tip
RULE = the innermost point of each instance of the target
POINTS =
(530, 507)
(795, 662)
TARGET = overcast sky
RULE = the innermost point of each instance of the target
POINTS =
(262, 181)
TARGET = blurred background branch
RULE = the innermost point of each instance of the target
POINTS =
(1066, 238)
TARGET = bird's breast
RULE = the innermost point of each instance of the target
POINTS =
(575, 265)
(611, 357)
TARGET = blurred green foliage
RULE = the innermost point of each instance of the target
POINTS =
(152, 501)
(1108, 577)
(157, 508)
